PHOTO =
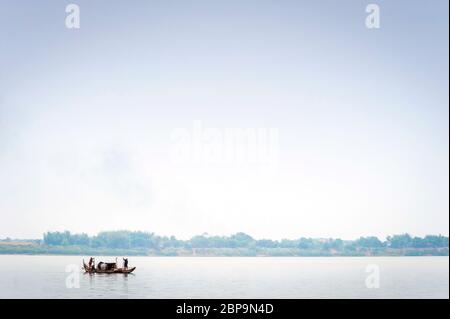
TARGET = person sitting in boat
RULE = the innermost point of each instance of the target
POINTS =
(125, 263)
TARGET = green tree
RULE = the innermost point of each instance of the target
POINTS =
(400, 241)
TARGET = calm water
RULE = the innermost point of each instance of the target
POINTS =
(177, 277)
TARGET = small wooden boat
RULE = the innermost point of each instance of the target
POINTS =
(107, 268)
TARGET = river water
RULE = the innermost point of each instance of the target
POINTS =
(228, 277)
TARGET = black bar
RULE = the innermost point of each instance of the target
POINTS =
(227, 308)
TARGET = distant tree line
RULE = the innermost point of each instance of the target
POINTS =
(138, 239)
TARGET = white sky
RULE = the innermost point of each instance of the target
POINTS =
(86, 117)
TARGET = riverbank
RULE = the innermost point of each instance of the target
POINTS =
(39, 249)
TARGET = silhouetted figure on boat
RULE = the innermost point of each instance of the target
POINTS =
(91, 263)
(125, 263)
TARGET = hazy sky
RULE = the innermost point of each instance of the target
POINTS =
(87, 117)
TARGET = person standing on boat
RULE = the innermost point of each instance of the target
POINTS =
(125, 263)
(91, 263)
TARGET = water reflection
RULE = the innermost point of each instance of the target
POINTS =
(108, 285)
